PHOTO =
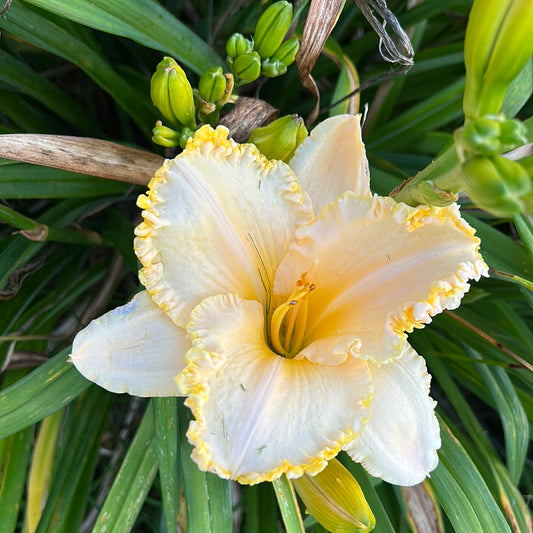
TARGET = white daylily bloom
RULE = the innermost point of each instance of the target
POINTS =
(280, 296)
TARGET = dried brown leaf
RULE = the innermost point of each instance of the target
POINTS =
(320, 21)
(82, 155)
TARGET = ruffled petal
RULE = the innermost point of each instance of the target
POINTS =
(332, 160)
(384, 268)
(135, 348)
(400, 442)
(258, 415)
(217, 219)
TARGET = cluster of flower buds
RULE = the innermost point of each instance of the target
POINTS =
(280, 138)
(180, 104)
(266, 53)
(492, 181)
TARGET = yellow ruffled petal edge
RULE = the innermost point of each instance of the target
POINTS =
(445, 293)
(209, 148)
(194, 380)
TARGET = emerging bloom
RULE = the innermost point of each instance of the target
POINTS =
(281, 297)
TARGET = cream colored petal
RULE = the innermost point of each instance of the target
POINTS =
(332, 160)
(400, 442)
(259, 415)
(135, 348)
(384, 268)
(217, 219)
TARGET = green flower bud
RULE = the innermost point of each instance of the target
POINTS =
(165, 136)
(237, 45)
(513, 134)
(496, 184)
(490, 135)
(212, 84)
(481, 136)
(271, 28)
(272, 68)
(247, 66)
(497, 45)
(335, 499)
(185, 135)
(280, 138)
(286, 53)
(172, 94)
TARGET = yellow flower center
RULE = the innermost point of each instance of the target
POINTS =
(289, 320)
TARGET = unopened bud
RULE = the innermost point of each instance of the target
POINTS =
(165, 136)
(237, 45)
(280, 138)
(247, 66)
(497, 46)
(496, 184)
(490, 135)
(271, 28)
(335, 499)
(272, 68)
(212, 84)
(172, 94)
(186, 134)
(286, 53)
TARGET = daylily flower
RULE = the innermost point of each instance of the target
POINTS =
(281, 297)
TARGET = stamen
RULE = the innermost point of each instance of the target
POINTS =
(289, 320)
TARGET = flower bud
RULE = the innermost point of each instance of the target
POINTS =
(271, 28)
(212, 84)
(165, 136)
(335, 499)
(172, 94)
(496, 184)
(272, 68)
(186, 134)
(513, 134)
(497, 45)
(237, 45)
(280, 138)
(481, 136)
(247, 66)
(286, 53)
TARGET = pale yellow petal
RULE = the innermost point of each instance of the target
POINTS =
(332, 160)
(383, 269)
(217, 219)
(400, 442)
(135, 348)
(259, 415)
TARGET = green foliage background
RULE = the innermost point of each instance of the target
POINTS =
(102, 462)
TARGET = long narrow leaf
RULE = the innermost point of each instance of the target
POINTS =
(144, 21)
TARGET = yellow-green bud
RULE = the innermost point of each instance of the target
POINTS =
(165, 136)
(271, 28)
(237, 45)
(335, 499)
(247, 66)
(513, 134)
(172, 94)
(497, 45)
(286, 53)
(272, 68)
(280, 138)
(496, 184)
(212, 84)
